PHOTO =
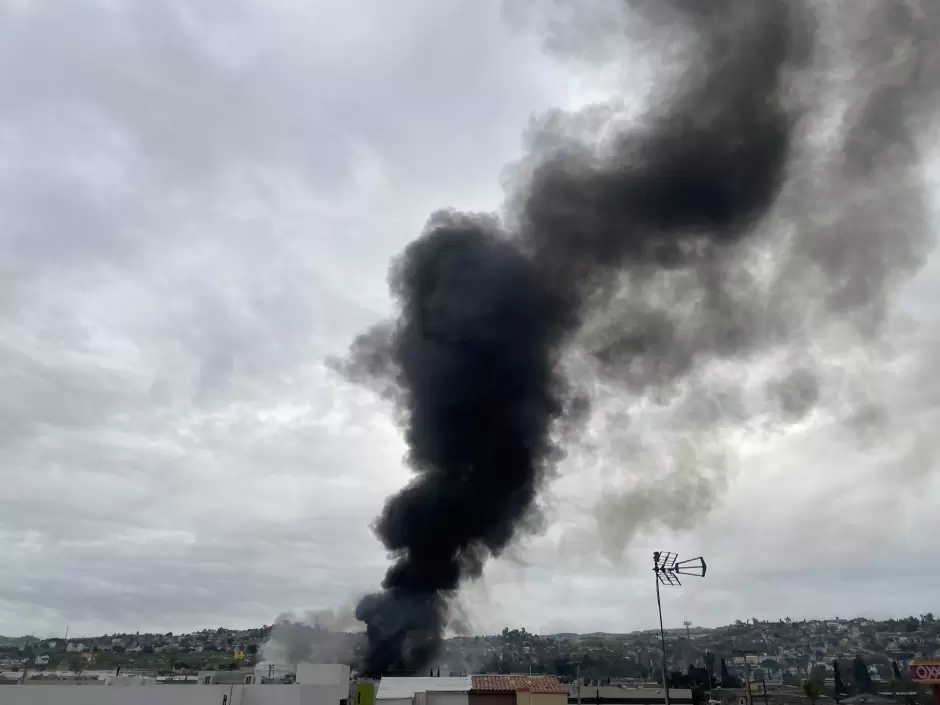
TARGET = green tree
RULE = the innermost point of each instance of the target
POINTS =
(709, 659)
(817, 674)
(812, 690)
(837, 677)
(862, 677)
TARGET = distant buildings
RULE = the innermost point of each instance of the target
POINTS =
(317, 684)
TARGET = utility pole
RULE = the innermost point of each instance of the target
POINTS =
(26, 662)
(747, 673)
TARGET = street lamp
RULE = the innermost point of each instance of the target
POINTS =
(668, 568)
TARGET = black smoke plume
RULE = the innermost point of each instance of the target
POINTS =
(474, 359)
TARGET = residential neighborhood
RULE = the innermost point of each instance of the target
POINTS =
(775, 653)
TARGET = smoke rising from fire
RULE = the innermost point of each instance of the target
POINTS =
(771, 203)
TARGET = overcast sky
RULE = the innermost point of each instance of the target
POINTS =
(198, 203)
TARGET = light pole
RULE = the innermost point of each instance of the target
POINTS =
(668, 569)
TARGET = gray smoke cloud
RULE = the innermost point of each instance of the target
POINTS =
(657, 288)
(317, 636)
(788, 327)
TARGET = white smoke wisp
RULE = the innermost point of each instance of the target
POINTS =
(317, 636)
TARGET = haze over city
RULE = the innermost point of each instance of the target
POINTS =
(198, 207)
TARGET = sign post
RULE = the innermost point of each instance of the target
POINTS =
(927, 672)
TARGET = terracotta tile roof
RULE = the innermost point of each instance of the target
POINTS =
(511, 684)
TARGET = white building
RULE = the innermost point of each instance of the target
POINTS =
(267, 670)
(327, 690)
(424, 691)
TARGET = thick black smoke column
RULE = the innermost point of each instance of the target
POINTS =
(485, 313)
(475, 349)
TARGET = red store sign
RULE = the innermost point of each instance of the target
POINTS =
(926, 671)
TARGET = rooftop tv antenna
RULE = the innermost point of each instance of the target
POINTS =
(668, 568)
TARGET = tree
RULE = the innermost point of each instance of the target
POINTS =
(862, 677)
(709, 659)
(76, 665)
(252, 649)
(812, 690)
(727, 680)
(837, 676)
(817, 674)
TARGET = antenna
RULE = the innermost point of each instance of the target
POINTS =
(668, 568)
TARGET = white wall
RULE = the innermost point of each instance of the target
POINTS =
(443, 698)
(323, 674)
(169, 695)
(394, 701)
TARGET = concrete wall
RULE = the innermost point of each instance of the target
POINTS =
(323, 674)
(609, 695)
(364, 693)
(482, 697)
(169, 695)
(526, 698)
(395, 701)
(445, 698)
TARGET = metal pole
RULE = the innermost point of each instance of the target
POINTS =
(579, 682)
(662, 637)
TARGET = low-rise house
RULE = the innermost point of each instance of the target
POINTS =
(517, 690)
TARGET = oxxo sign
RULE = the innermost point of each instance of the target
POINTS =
(926, 671)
